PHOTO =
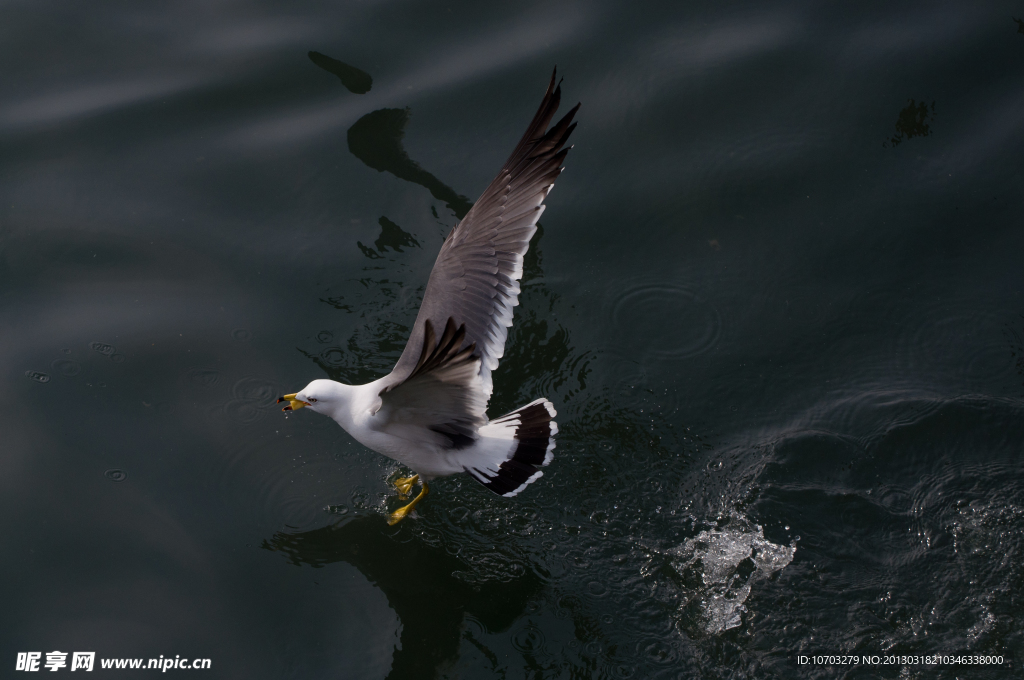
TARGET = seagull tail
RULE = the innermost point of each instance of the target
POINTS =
(511, 448)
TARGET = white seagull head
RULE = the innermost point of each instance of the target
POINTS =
(322, 396)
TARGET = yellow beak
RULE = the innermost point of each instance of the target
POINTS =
(293, 403)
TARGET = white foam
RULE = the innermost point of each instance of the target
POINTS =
(718, 555)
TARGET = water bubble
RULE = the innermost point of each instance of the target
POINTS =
(569, 603)
(241, 335)
(337, 509)
(333, 356)
(324, 337)
(103, 348)
(657, 652)
(528, 639)
(38, 376)
(624, 671)
(579, 560)
(117, 358)
(116, 475)
(474, 628)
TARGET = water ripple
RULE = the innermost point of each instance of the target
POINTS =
(257, 391)
(670, 322)
(67, 367)
(116, 475)
(203, 377)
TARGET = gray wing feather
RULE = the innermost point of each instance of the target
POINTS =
(442, 399)
(475, 280)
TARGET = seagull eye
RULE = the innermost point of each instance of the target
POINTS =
(312, 400)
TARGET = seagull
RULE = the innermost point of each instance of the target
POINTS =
(430, 412)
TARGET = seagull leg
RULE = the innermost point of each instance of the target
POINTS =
(405, 484)
(400, 514)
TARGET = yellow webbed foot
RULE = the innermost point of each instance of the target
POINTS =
(405, 484)
(400, 514)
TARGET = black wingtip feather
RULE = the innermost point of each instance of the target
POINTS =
(447, 350)
(545, 112)
(534, 437)
(513, 476)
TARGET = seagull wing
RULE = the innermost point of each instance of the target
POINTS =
(442, 400)
(444, 383)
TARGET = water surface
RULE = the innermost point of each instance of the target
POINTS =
(776, 299)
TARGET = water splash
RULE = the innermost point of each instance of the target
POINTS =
(719, 568)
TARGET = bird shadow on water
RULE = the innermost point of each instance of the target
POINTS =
(376, 140)
(391, 237)
(914, 121)
(421, 584)
(355, 80)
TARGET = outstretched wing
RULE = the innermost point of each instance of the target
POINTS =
(475, 281)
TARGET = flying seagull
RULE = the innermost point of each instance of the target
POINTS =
(430, 412)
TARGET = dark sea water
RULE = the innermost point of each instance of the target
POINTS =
(777, 299)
